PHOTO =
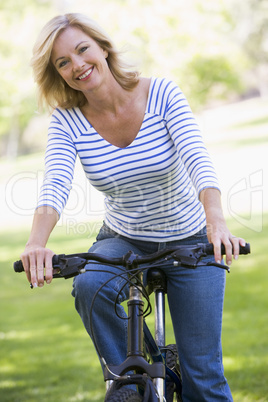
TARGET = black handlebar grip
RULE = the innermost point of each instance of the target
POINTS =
(209, 249)
(245, 249)
(55, 259)
(18, 266)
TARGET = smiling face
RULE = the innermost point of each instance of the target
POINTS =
(79, 60)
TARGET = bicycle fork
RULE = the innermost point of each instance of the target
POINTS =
(160, 337)
(158, 285)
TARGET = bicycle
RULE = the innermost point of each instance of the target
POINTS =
(150, 365)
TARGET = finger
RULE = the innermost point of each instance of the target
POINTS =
(242, 242)
(40, 268)
(33, 277)
(49, 268)
(217, 251)
(228, 251)
(235, 244)
(26, 266)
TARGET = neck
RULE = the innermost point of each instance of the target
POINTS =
(106, 98)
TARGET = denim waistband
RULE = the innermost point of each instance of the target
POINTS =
(149, 246)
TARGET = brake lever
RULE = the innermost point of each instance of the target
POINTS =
(188, 258)
(216, 264)
(192, 259)
(69, 267)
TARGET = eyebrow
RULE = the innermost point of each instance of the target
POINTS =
(82, 41)
(63, 57)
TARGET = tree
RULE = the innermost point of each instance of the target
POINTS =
(211, 79)
(250, 31)
(209, 48)
(17, 97)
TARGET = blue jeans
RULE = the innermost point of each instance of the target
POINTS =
(195, 301)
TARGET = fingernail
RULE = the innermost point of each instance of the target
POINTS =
(35, 285)
(236, 257)
(48, 281)
(218, 261)
(41, 285)
(229, 262)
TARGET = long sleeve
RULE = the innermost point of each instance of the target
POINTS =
(59, 167)
(187, 137)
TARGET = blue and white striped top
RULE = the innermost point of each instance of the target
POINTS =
(151, 187)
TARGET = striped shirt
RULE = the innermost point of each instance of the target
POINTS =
(151, 186)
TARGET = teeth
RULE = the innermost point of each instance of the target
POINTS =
(85, 75)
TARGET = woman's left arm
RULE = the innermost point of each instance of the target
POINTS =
(217, 230)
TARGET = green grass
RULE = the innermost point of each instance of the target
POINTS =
(253, 122)
(253, 141)
(245, 340)
(47, 356)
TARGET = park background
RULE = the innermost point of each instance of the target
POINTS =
(217, 52)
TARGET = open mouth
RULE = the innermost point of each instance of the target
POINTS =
(85, 75)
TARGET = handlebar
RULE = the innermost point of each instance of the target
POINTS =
(67, 266)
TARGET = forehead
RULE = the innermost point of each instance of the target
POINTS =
(68, 40)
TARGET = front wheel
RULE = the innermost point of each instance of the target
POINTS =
(123, 395)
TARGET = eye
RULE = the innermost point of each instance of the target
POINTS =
(63, 63)
(83, 49)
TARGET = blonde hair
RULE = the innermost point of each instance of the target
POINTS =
(53, 90)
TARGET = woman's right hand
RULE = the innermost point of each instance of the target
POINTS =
(37, 263)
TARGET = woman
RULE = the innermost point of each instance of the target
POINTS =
(138, 142)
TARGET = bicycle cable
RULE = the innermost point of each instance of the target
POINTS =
(124, 274)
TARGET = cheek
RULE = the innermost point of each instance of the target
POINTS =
(65, 76)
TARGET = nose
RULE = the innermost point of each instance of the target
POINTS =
(78, 64)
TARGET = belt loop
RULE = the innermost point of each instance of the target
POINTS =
(161, 246)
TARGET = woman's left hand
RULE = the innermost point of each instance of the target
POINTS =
(218, 233)
(217, 230)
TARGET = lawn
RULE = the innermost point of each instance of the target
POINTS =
(46, 354)
(245, 340)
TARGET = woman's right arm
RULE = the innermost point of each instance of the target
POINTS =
(36, 258)
(60, 160)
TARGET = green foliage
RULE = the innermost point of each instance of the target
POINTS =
(253, 16)
(18, 27)
(210, 78)
(209, 48)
